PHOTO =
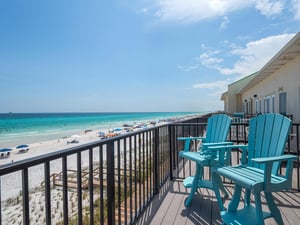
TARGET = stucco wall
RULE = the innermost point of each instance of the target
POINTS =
(233, 102)
(287, 79)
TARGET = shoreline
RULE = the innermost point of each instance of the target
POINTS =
(64, 139)
(44, 147)
(33, 128)
(11, 183)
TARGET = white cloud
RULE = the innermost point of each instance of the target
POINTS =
(270, 8)
(216, 88)
(296, 9)
(211, 85)
(193, 66)
(251, 57)
(208, 60)
(256, 54)
(224, 23)
(191, 11)
(188, 68)
(197, 10)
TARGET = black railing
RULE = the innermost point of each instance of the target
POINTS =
(110, 181)
(238, 134)
(106, 182)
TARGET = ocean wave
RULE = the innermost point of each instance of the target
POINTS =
(51, 131)
(19, 134)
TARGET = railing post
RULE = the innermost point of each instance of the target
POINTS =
(79, 189)
(156, 161)
(110, 153)
(91, 189)
(25, 193)
(171, 150)
(0, 203)
(65, 190)
(47, 193)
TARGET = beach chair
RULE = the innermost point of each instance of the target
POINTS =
(258, 171)
(216, 134)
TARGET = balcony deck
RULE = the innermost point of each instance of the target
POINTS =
(168, 206)
(149, 159)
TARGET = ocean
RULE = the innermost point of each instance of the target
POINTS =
(26, 128)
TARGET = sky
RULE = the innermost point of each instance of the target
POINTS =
(134, 55)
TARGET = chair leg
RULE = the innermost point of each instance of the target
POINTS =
(222, 187)
(217, 186)
(247, 197)
(234, 203)
(194, 188)
(258, 209)
(275, 212)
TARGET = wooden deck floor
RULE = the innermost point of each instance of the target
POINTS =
(168, 207)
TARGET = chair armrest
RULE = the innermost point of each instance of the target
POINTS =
(269, 171)
(190, 138)
(275, 159)
(187, 142)
(225, 143)
(227, 148)
(219, 147)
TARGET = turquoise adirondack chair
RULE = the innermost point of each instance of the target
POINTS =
(216, 134)
(258, 171)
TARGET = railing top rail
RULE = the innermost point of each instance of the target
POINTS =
(33, 161)
(183, 124)
(36, 160)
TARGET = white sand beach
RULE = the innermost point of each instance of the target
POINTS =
(11, 184)
(86, 136)
(40, 148)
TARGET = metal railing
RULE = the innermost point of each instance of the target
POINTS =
(110, 181)
(106, 182)
(238, 134)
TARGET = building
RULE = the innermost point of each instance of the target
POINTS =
(274, 88)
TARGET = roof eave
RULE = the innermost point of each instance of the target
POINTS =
(290, 51)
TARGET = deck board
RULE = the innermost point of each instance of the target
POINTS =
(168, 207)
(204, 208)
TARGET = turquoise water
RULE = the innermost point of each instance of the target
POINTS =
(17, 128)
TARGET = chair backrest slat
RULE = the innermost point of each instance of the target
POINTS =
(217, 128)
(268, 134)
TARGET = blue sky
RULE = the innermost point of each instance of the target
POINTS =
(134, 55)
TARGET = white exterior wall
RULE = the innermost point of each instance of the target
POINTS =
(287, 79)
(233, 101)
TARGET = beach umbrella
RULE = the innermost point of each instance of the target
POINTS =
(5, 152)
(22, 146)
(5, 149)
(74, 139)
(75, 136)
(118, 129)
(101, 134)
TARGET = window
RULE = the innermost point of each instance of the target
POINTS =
(267, 107)
(260, 110)
(256, 106)
(282, 103)
(273, 103)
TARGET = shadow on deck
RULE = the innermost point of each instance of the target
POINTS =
(168, 207)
